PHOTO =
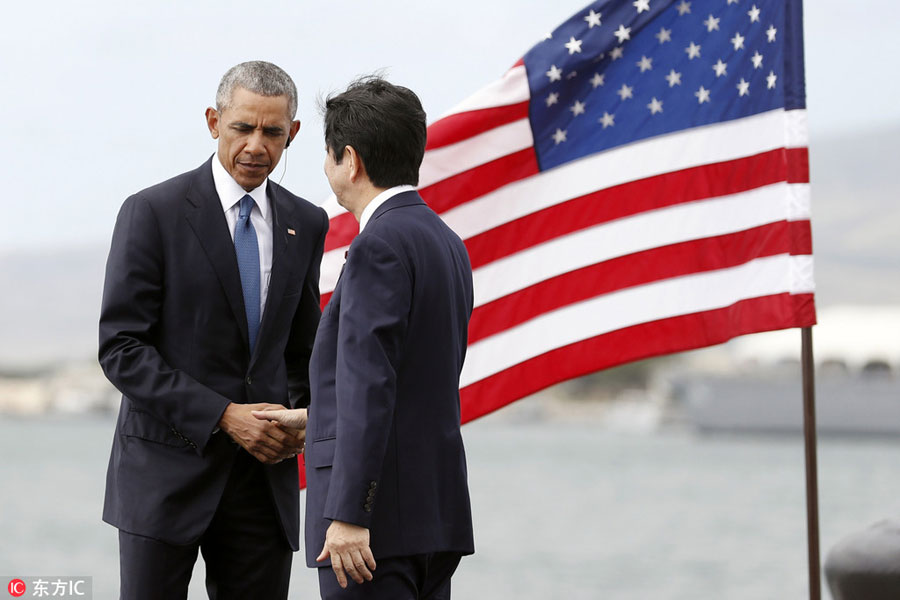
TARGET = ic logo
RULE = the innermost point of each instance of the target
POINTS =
(16, 588)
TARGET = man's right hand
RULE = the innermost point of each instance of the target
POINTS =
(267, 441)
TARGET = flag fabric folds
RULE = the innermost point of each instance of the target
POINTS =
(636, 185)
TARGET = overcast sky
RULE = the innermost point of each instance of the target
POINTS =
(102, 98)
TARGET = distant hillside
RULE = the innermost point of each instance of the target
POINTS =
(856, 217)
(50, 308)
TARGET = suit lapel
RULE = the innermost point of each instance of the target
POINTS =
(207, 219)
(282, 267)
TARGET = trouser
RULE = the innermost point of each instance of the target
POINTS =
(420, 577)
(244, 548)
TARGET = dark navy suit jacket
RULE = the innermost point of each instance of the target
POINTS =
(384, 449)
(173, 340)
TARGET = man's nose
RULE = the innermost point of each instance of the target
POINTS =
(255, 143)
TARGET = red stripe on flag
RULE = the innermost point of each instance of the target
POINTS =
(458, 127)
(324, 300)
(688, 185)
(341, 231)
(665, 262)
(646, 340)
(461, 188)
(798, 165)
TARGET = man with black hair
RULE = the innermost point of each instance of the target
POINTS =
(386, 468)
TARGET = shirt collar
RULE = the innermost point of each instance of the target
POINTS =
(230, 193)
(380, 199)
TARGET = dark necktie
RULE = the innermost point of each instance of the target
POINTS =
(247, 249)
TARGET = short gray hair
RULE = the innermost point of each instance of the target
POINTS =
(259, 77)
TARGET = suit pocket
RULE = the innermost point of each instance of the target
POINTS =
(143, 425)
(321, 453)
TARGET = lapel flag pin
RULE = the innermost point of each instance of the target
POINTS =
(291, 231)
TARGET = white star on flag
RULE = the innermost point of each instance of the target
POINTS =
(560, 136)
(625, 91)
(702, 95)
(684, 8)
(730, 2)
(738, 41)
(754, 14)
(757, 60)
(771, 79)
(573, 45)
(597, 80)
(645, 64)
(771, 31)
(655, 106)
(623, 33)
(712, 23)
(743, 87)
(664, 35)
(616, 53)
(674, 78)
(552, 99)
(555, 73)
(577, 108)
(607, 120)
(693, 51)
(720, 68)
(593, 19)
(641, 5)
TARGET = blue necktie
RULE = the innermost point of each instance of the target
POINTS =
(247, 250)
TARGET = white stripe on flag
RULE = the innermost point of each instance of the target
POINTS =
(644, 231)
(512, 88)
(332, 208)
(633, 306)
(450, 160)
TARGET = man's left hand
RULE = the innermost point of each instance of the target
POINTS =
(348, 546)
(293, 421)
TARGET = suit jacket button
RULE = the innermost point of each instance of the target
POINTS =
(373, 485)
(368, 508)
(249, 381)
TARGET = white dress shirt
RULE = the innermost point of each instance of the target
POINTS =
(380, 199)
(230, 194)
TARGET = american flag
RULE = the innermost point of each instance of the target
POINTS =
(636, 185)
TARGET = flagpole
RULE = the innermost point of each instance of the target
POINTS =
(812, 485)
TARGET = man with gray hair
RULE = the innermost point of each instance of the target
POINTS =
(209, 311)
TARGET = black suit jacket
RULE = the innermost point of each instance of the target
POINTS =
(173, 340)
(384, 449)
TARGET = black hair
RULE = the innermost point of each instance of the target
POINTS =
(385, 124)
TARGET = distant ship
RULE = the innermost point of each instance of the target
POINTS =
(865, 404)
(857, 351)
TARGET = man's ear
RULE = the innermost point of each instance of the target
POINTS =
(212, 121)
(355, 166)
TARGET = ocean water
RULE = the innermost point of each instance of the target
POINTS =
(562, 510)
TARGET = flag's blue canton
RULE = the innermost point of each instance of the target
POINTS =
(620, 71)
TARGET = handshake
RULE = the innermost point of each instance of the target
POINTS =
(270, 432)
